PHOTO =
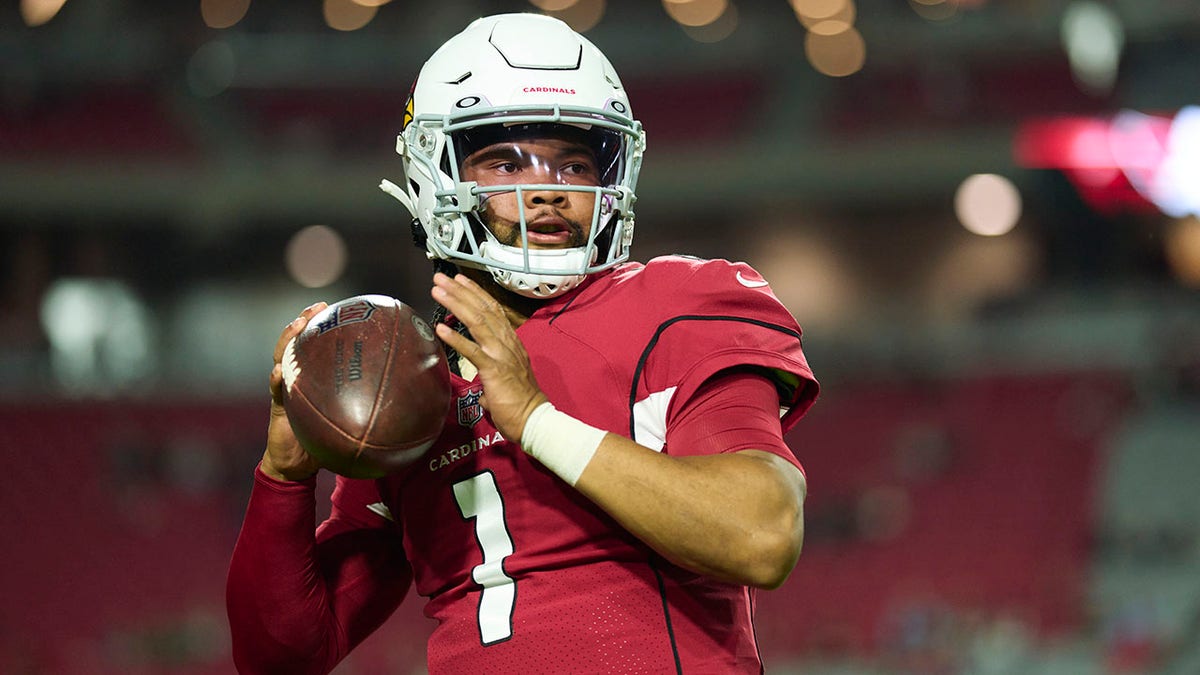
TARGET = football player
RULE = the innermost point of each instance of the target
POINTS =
(612, 485)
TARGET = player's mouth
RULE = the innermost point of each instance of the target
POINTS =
(549, 231)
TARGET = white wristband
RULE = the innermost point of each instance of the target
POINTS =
(560, 442)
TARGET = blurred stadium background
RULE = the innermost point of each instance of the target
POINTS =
(983, 212)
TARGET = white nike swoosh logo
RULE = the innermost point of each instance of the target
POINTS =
(381, 509)
(749, 283)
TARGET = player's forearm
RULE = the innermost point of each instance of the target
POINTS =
(274, 596)
(737, 517)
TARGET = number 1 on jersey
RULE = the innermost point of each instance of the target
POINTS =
(478, 498)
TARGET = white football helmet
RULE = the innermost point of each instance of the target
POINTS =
(506, 76)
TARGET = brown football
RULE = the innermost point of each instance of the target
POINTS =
(366, 386)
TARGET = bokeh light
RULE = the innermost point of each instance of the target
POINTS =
(838, 55)
(830, 27)
(987, 204)
(316, 256)
(935, 10)
(223, 13)
(832, 24)
(582, 15)
(1093, 38)
(347, 15)
(100, 333)
(810, 274)
(1182, 250)
(211, 69)
(818, 10)
(695, 12)
(718, 30)
(552, 5)
(1176, 185)
(39, 12)
(972, 270)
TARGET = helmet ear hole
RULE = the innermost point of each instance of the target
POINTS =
(418, 233)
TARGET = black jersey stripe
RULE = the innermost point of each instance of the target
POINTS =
(662, 592)
(653, 342)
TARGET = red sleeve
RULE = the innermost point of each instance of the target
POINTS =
(299, 602)
(724, 315)
(734, 410)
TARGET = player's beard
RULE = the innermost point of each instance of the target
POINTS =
(509, 233)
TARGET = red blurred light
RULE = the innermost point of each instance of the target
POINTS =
(1100, 155)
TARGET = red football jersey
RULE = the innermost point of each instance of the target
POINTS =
(523, 573)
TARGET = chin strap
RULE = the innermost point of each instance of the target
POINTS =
(399, 195)
(538, 287)
(533, 284)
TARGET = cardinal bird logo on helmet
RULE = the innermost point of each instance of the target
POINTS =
(408, 108)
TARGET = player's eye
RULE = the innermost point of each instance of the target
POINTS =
(581, 170)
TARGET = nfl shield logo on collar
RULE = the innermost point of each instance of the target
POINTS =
(469, 409)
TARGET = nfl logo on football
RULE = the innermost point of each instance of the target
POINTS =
(469, 409)
(353, 312)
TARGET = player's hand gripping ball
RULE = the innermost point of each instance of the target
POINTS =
(366, 386)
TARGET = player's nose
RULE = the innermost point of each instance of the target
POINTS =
(541, 197)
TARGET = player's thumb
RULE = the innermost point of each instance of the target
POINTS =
(276, 388)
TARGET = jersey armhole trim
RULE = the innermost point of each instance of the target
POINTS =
(653, 342)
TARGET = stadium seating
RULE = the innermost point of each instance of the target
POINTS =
(954, 499)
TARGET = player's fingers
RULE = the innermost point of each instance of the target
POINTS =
(454, 292)
(469, 283)
(469, 295)
(289, 331)
(461, 344)
(295, 326)
(461, 302)
(487, 308)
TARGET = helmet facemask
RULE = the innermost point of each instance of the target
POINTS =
(505, 248)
